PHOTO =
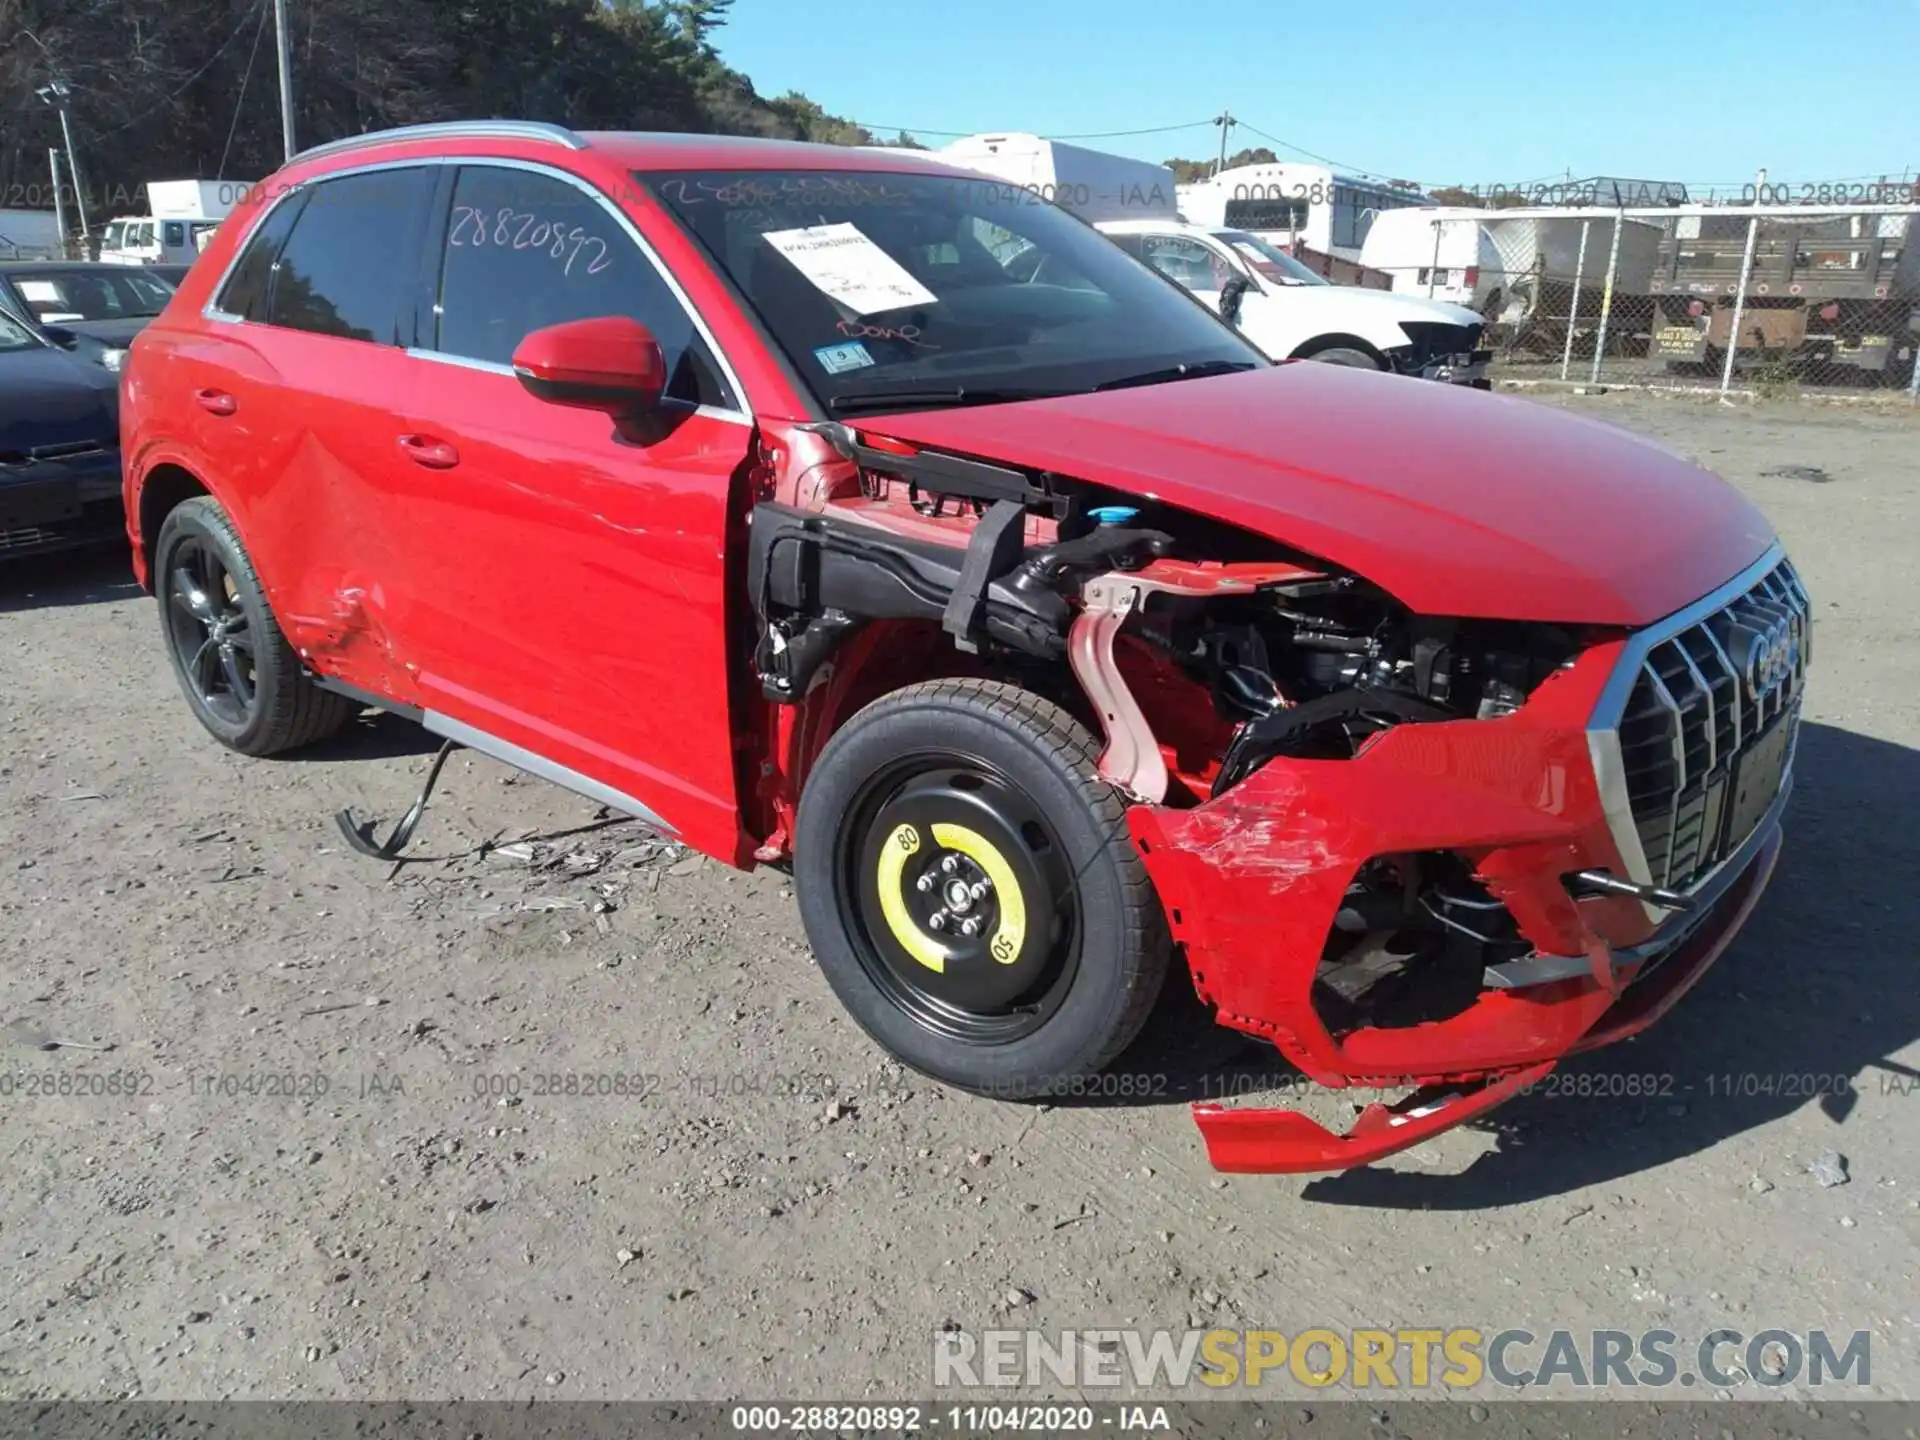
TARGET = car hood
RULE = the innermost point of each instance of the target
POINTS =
(1380, 306)
(47, 397)
(1458, 501)
(116, 333)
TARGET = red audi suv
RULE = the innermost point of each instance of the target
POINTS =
(843, 509)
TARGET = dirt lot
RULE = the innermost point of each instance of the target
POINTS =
(324, 1170)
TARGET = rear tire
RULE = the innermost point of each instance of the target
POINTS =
(241, 678)
(980, 804)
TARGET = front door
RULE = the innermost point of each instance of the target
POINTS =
(575, 585)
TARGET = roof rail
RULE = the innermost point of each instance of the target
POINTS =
(453, 130)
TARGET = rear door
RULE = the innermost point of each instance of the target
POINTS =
(298, 400)
(573, 587)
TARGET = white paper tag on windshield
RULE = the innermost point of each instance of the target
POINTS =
(850, 268)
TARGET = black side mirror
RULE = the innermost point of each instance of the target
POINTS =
(1231, 294)
(59, 334)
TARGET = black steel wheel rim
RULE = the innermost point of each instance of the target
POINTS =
(211, 634)
(983, 853)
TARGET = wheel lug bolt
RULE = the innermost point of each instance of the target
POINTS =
(950, 864)
(979, 889)
(924, 883)
(970, 927)
(938, 920)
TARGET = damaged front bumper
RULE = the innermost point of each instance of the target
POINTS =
(1252, 882)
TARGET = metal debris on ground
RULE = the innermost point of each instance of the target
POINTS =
(25, 1032)
(1830, 1169)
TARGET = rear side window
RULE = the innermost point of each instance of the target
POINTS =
(245, 293)
(342, 271)
(524, 251)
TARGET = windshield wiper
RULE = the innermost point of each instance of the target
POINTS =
(913, 399)
(1196, 371)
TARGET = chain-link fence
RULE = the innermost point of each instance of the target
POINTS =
(1765, 299)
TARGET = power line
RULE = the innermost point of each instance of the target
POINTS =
(1115, 134)
(245, 76)
(238, 31)
(1086, 135)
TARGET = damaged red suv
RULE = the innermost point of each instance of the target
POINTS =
(838, 507)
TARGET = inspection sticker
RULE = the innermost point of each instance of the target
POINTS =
(847, 266)
(835, 359)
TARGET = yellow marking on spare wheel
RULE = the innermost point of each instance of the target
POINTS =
(1012, 932)
(905, 841)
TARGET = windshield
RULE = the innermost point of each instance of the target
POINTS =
(914, 291)
(1269, 262)
(105, 294)
(14, 335)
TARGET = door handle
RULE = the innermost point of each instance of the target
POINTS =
(434, 454)
(216, 402)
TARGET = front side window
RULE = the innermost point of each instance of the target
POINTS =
(915, 290)
(343, 270)
(15, 336)
(175, 233)
(1186, 262)
(524, 251)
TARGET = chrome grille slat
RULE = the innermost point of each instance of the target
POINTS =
(1691, 713)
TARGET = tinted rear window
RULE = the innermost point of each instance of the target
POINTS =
(345, 270)
(245, 293)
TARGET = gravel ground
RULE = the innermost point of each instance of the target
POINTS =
(330, 1166)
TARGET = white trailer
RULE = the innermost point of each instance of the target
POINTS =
(29, 235)
(1298, 205)
(1092, 184)
(1508, 264)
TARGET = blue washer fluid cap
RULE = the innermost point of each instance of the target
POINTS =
(1112, 514)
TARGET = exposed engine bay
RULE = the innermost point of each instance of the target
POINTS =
(1297, 658)
(1206, 652)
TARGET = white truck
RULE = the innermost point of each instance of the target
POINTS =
(1511, 265)
(1276, 302)
(185, 213)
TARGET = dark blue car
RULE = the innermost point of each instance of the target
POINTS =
(59, 445)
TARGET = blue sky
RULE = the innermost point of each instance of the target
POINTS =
(1478, 91)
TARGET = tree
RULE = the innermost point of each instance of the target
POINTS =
(166, 89)
(1186, 172)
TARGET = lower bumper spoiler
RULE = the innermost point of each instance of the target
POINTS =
(1285, 1142)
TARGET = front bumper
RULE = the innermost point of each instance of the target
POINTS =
(1467, 368)
(59, 503)
(1252, 882)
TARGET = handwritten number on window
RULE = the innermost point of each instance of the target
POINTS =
(477, 228)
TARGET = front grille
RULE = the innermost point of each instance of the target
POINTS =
(1704, 697)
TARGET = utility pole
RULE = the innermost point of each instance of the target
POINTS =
(286, 76)
(1226, 122)
(59, 203)
(55, 93)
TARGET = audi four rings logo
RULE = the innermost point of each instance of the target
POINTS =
(1770, 659)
